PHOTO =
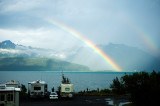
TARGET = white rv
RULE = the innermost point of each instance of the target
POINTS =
(13, 83)
(37, 89)
(9, 96)
(67, 90)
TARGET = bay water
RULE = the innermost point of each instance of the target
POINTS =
(81, 80)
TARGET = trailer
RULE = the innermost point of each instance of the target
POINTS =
(37, 89)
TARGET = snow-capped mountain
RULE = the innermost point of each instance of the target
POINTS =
(9, 49)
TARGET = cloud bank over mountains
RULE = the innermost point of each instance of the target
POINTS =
(126, 57)
(101, 21)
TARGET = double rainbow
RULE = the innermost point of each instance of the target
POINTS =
(86, 42)
(146, 38)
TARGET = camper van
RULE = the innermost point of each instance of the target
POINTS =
(67, 90)
(37, 89)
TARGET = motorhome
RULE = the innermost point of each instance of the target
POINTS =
(13, 83)
(9, 96)
(37, 89)
(66, 88)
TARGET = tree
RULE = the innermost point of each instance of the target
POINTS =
(65, 80)
(138, 86)
(117, 86)
(23, 89)
(143, 88)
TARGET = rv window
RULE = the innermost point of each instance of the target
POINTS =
(37, 88)
(1, 97)
(67, 89)
(10, 97)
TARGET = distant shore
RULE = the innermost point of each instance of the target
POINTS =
(72, 71)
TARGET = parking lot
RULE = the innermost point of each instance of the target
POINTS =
(76, 101)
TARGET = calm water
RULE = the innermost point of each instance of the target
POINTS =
(81, 80)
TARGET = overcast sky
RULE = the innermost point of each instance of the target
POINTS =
(131, 22)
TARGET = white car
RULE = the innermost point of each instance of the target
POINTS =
(53, 95)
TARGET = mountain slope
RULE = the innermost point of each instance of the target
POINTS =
(126, 57)
(131, 58)
(7, 45)
(38, 64)
(9, 49)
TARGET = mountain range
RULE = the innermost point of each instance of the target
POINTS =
(21, 58)
(126, 57)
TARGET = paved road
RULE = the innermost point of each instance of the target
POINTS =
(76, 101)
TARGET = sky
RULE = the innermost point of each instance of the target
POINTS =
(134, 23)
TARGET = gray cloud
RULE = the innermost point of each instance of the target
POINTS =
(101, 21)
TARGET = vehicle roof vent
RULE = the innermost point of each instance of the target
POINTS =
(2, 86)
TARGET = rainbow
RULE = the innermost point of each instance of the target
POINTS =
(147, 39)
(86, 42)
(143, 34)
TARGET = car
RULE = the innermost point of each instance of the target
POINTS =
(53, 95)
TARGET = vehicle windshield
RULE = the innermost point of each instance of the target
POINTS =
(53, 93)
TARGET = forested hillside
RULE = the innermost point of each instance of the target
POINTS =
(38, 64)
